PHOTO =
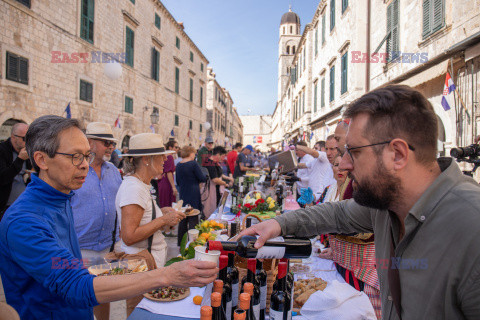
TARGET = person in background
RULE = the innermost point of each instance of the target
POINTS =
(41, 267)
(331, 148)
(205, 152)
(167, 192)
(233, 155)
(241, 165)
(189, 176)
(13, 165)
(124, 151)
(93, 205)
(115, 158)
(320, 146)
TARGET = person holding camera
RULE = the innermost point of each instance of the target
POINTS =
(424, 212)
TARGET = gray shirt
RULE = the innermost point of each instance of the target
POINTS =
(438, 257)
(18, 184)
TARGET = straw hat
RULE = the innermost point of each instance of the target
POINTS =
(100, 130)
(146, 144)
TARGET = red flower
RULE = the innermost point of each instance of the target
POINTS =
(248, 205)
(259, 201)
(239, 206)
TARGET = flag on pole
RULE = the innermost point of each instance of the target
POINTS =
(68, 111)
(448, 88)
(117, 123)
(172, 133)
(304, 138)
(311, 136)
(152, 128)
(188, 133)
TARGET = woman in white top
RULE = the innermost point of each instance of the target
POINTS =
(333, 191)
(135, 204)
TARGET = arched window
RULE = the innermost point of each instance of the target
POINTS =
(291, 29)
(293, 50)
(288, 49)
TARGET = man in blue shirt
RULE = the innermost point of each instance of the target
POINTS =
(40, 259)
(93, 204)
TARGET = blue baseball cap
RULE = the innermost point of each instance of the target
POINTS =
(249, 147)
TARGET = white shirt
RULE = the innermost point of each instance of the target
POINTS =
(317, 175)
(134, 191)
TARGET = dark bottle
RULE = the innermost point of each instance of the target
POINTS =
(206, 313)
(217, 310)
(244, 304)
(280, 300)
(227, 288)
(251, 278)
(261, 277)
(233, 229)
(249, 289)
(232, 274)
(239, 314)
(289, 277)
(218, 288)
(276, 248)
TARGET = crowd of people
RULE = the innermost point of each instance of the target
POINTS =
(399, 223)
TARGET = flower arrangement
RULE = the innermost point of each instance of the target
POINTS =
(255, 204)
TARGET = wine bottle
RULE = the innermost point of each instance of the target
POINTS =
(239, 314)
(254, 305)
(217, 310)
(251, 278)
(244, 304)
(206, 313)
(232, 273)
(218, 287)
(276, 248)
(227, 288)
(261, 277)
(280, 300)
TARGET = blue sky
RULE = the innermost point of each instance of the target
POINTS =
(240, 39)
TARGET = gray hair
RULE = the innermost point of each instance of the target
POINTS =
(131, 164)
(42, 135)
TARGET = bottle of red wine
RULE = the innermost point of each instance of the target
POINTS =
(232, 274)
(276, 248)
(218, 313)
(248, 288)
(261, 277)
(244, 304)
(206, 313)
(218, 288)
(251, 278)
(280, 299)
(227, 288)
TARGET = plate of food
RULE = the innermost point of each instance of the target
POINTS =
(167, 294)
(119, 268)
(190, 212)
(305, 288)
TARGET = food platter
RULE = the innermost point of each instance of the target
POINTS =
(167, 294)
(119, 268)
(190, 212)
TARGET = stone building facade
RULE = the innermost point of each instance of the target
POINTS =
(55, 53)
(411, 42)
(257, 131)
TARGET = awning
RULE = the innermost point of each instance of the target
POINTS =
(427, 75)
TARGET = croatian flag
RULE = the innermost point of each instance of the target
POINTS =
(68, 111)
(117, 123)
(448, 88)
(172, 133)
(311, 136)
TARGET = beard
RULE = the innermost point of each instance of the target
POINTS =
(106, 157)
(380, 191)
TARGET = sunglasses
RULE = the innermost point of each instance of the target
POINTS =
(23, 138)
(108, 143)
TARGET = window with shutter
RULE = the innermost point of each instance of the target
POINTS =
(129, 46)
(177, 80)
(155, 64)
(332, 83)
(24, 2)
(191, 56)
(201, 67)
(322, 94)
(17, 68)
(157, 21)
(201, 127)
(177, 42)
(86, 91)
(191, 90)
(201, 97)
(87, 20)
(303, 101)
(393, 30)
(191, 125)
(316, 41)
(176, 120)
(128, 104)
(323, 28)
(332, 14)
(344, 87)
(315, 97)
(344, 5)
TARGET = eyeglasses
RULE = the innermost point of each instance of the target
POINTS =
(349, 150)
(108, 143)
(23, 138)
(77, 158)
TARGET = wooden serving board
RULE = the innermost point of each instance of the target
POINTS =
(149, 296)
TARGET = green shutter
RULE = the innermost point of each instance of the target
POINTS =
(191, 56)
(128, 104)
(438, 14)
(323, 28)
(201, 97)
(176, 120)
(201, 67)
(315, 97)
(201, 127)
(303, 102)
(157, 21)
(86, 91)
(191, 125)
(393, 30)
(87, 20)
(344, 5)
(332, 14)
(316, 41)
(177, 42)
(332, 83)
(427, 19)
(191, 90)
(132, 1)
(129, 46)
(344, 73)
(155, 64)
(322, 95)
(177, 80)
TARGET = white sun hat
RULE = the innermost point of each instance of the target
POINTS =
(100, 130)
(146, 144)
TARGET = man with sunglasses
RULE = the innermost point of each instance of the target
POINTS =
(93, 204)
(424, 212)
(13, 165)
